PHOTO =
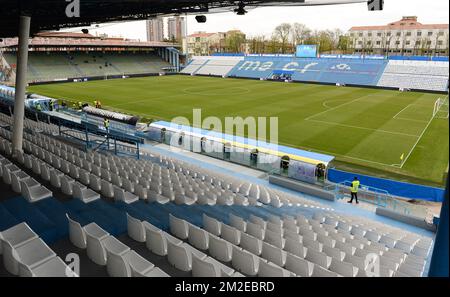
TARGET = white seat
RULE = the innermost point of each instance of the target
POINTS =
(107, 189)
(180, 256)
(18, 177)
(259, 221)
(372, 236)
(410, 270)
(273, 254)
(207, 199)
(404, 246)
(30, 254)
(141, 192)
(245, 262)
(95, 183)
(255, 230)
(294, 247)
(66, 185)
(122, 195)
(154, 272)
(135, 229)
(420, 251)
(267, 269)
(299, 266)
(333, 252)
(318, 258)
(55, 178)
(83, 193)
(181, 199)
(7, 171)
(211, 225)
(208, 267)
(348, 249)
(274, 238)
(95, 246)
(15, 236)
(156, 239)
(238, 222)
(343, 268)
(179, 227)
(198, 238)
(120, 263)
(388, 241)
(251, 244)
(231, 234)
(55, 267)
(220, 249)
(319, 271)
(34, 193)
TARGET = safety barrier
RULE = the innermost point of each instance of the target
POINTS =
(394, 188)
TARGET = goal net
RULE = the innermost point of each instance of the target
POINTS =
(441, 108)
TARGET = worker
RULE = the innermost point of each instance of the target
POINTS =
(51, 105)
(106, 124)
(80, 105)
(95, 103)
(38, 107)
(354, 190)
(99, 104)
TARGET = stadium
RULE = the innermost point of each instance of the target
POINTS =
(128, 158)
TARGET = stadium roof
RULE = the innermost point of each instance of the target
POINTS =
(51, 14)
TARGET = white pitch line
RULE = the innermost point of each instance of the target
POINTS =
(317, 114)
(364, 128)
(412, 120)
(339, 155)
(417, 142)
(394, 117)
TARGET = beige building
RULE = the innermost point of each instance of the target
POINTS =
(205, 44)
(404, 37)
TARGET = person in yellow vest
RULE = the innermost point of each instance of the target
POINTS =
(99, 104)
(354, 190)
(95, 103)
(38, 107)
(106, 124)
(80, 105)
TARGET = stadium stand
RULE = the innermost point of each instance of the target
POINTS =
(243, 229)
(195, 65)
(421, 75)
(48, 67)
(220, 66)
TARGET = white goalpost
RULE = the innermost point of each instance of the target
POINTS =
(441, 108)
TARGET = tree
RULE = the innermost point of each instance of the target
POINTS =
(299, 34)
(234, 41)
(258, 44)
(282, 33)
(344, 43)
(274, 45)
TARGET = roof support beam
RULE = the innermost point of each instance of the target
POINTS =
(21, 82)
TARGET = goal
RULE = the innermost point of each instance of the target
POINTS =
(441, 108)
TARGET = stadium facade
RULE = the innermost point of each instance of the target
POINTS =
(404, 37)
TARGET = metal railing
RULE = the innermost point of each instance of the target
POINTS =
(380, 198)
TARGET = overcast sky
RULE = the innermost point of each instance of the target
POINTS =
(264, 20)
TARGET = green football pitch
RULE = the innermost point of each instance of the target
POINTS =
(368, 130)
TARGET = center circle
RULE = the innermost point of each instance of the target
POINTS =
(216, 91)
